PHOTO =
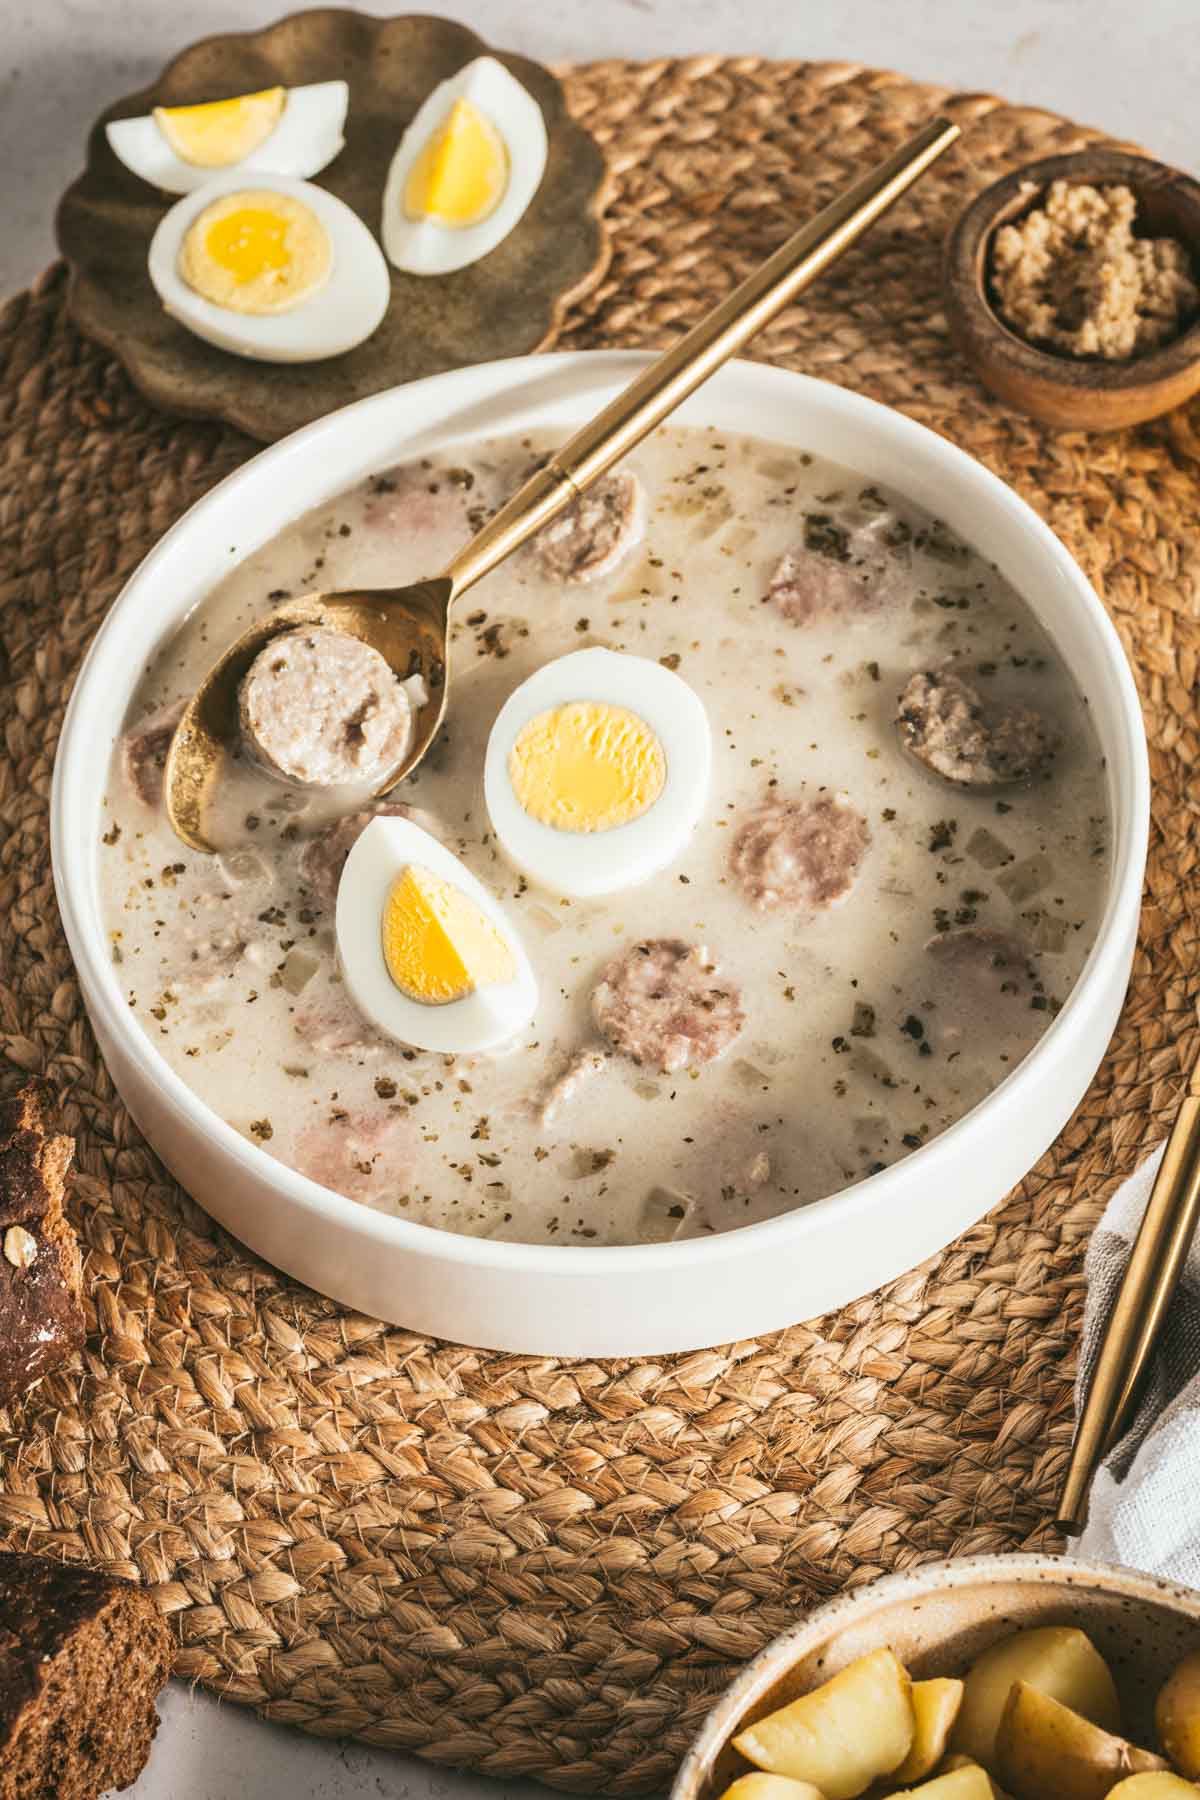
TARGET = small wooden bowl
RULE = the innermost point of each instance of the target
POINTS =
(938, 1618)
(1076, 393)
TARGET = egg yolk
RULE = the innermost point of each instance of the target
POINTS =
(587, 766)
(249, 243)
(221, 132)
(256, 252)
(437, 945)
(461, 173)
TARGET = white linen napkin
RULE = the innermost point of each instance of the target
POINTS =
(1145, 1500)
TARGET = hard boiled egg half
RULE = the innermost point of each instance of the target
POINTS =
(426, 953)
(465, 171)
(597, 771)
(281, 271)
(286, 131)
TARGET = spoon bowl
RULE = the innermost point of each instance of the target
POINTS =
(408, 626)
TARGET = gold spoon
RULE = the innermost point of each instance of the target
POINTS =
(409, 625)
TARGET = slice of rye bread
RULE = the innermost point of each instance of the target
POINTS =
(41, 1278)
(82, 1658)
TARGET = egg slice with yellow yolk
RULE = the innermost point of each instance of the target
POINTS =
(278, 131)
(586, 766)
(597, 772)
(220, 132)
(284, 272)
(464, 171)
(426, 951)
(437, 944)
(256, 252)
(461, 174)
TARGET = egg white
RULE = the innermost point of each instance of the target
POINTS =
(424, 247)
(482, 1020)
(585, 864)
(344, 311)
(305, 141)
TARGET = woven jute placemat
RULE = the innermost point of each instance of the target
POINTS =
(530, 1566)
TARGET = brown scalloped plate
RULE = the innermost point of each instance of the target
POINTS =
(509, 303)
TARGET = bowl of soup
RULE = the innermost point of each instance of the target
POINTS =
(802, 999)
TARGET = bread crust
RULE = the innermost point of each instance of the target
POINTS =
(75, 1642)
(41, 1276)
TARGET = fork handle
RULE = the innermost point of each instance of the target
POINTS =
(1135, 1323)
(658, 390)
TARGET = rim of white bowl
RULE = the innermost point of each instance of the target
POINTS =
(88, 945)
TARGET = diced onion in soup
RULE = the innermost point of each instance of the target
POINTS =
(665, 1211)
(298, 970)
(1025, 879)
(989, 851)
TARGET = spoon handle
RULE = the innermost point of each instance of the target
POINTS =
(658, 390)
(1147, 1288)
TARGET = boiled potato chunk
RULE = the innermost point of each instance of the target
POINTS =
(1177, 1716)
(771, 1787)
(1162, 1785)
(1044, 1749)
(968, 1783)
(1057, 1660)
(956, 1760)
(935, 1708)
(841, 1737)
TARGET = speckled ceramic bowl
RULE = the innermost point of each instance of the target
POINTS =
(937, 1619)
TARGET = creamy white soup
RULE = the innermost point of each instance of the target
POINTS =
(892, 888)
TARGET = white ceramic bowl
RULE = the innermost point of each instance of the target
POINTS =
(646, 1299)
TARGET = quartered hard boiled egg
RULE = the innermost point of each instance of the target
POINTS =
(466, 169)
(426, 953)
(597, 771)
(283, 131)
(284, 272)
